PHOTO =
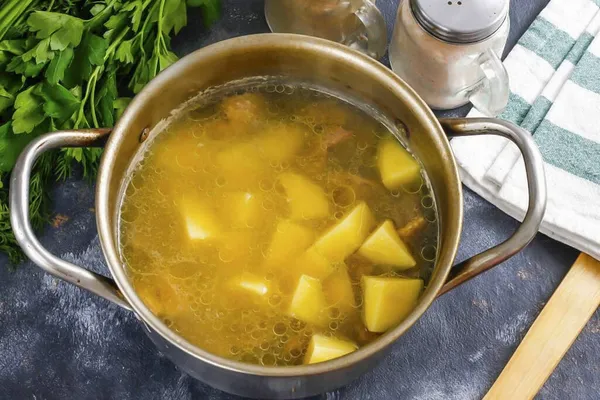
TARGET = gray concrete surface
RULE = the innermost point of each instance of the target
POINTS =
(58, 342)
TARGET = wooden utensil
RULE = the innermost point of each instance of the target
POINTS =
(552, 333)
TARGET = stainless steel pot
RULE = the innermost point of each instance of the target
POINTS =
(301, 58)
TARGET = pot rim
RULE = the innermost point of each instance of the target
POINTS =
(321, 48)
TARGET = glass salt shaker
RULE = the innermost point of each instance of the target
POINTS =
(449, 52)
(356, 23)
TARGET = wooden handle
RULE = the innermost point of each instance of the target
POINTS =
(552, 333)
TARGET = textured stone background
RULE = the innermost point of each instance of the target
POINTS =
(58, 342)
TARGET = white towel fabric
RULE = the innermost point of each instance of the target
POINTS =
(554, 74)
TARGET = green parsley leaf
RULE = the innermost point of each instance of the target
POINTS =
(90, 53)
(120, 105)
(28, 113)
(14, 47)
(211, 9)
(28, 69)
(63, 30)
(11, 146)
(59, 103)
(59, 64)
(106, 97)
(175, 16)
(124, 52)
(137, 8)
(96, 9)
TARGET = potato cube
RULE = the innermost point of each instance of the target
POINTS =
(280, 143)
(314, 264)
(288, 240)
(236, 245)
(199, 219)
(308, 302)
(243, 209)
(387, 301)
(384, 246)
(347, 235)
(323, 348)
(307, 200)
(251, 284)
(241, 164)
(397, 166)
(338, 289)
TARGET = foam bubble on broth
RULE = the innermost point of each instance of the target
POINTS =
(205, 270)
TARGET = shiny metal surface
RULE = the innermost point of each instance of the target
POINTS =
(19, 215)
(536, 183)
(460, 21)
(339, 69)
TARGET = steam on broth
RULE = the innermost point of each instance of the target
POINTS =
(278, 227)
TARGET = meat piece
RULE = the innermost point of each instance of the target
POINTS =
(244, 108)
(412, 227)
(335, 136)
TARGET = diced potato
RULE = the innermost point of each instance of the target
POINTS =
(200, 220)
(241, 164)
(338, 289)
(347, 235)
(307, 200)
(288, 240)
(387, 301)
(308, 303)
(385, 247)
(243, 209)
(244, 108)
(250, 283)
(397, 166)
(322, 348)
(314, 264)
(280, 143)
(235, 245)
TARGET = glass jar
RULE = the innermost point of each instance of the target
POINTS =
(355, 23)
(449, 52)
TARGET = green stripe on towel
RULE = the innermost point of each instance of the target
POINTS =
(547, 41)
(568, 151)
(536, 114)
(516, 109)
(587, 73)
(580, 47)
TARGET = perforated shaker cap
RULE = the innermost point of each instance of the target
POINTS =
(460, 21)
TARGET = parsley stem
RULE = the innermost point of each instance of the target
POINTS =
(10, 13)
(91, 83)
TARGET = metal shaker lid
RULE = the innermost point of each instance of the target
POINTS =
(460, 21)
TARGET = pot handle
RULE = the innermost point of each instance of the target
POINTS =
(19, 214)
(536, 183)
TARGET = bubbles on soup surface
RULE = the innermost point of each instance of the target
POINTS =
(252, 220)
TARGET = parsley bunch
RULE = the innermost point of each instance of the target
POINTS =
(73, 64)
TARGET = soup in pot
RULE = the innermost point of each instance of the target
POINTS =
(278, 226)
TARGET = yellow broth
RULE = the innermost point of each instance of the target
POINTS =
(224, 228)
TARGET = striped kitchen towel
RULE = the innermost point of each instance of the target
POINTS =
(558, 100)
